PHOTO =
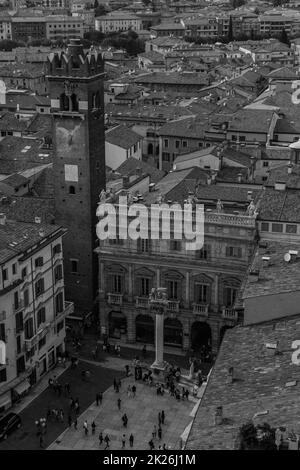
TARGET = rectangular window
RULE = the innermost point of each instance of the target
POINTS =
(41, 316)
(26, 298)
(203, 253)
(58, 273)
(29, 332)
(4, 274)
(42, 342)
(117, 284)
(291, 228)
(144, 286)
(3, 376)
(39, 262)
(16, 300)
(278, 228)
(143, 245)
(14, 268)
(233, 252)
(175, 245)
(242, 138)
(39, 287)
(264, 227)
(19, 345)
(74, 266)
(166, 143)
(229, 296)
(24, 273)
(265, 163)
(201, 293)
(166, 157)
(20, 365)
(184, 144)
(233, 137)
(177, 144)
(59, 303)
(57, 249)
(60, 326)
(19, 321)
(172, 287)
(2, 332)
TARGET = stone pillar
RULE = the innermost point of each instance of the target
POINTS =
(216, 290)
(159, 340)
(130, 284)
(187, 290)
(131, 333)
(157, 277)
(186, 336)
(101, 283)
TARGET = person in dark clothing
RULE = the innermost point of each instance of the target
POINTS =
(119, 403)
(123, 441)
(97, 399)
(151, 444)
(107, 441)
(100, 438)
(162, 417)
(70, 421)
(159, 432)
(93, 427)
(159, 418)
(75, 423)
(131, 438)
(133, 390)
(100, 397)
(115, 384)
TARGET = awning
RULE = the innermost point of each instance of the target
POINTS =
(22, 387)
(5, 400)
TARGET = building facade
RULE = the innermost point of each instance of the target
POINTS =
(77, 105)
(202, 285)
(33, 306)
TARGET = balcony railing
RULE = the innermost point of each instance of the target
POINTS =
(19, 307)
(142, 302)
(200, 309)
(173, 305)
(30, 343)
(115, 299)
(229, 313)
(68, 310)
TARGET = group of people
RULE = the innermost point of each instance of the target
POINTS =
(117, 385)
(157, 431)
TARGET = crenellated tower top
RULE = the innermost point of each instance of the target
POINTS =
(75, 62)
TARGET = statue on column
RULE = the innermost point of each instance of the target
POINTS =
(102, 196)
(219, 206)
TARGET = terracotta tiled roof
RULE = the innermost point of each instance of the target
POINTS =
(122, 136)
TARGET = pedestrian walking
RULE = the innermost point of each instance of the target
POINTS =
(123, 441)
(107, 441)
(131, 439)
(133, 391)
(125, 420)
(70, 421)
(154, 432)
(119, 351)
(61, 415)
(115, 384)
(151, 444)
(75, 423)
(159, 432)
(41, 441)
(77, 407)
(119, 403)
(71, 403)
(164, 447)
(100, 438)
(86, 428)
(129, 391)
(127, 370)
(97, 399)
(93, 427)
(159, 418)
(100, 397)
(162, 417)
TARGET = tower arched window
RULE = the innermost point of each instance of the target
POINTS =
(64, 102)
(74, 102)
(72, 190)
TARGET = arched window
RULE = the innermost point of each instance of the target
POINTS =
(74, 102)
(72, 190)
(64, 102)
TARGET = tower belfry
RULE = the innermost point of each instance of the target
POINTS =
(77, 106)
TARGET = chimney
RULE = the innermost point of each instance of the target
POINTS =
(290, 168)
(209, 180)
(125, 180)
(240, 176)
(266, 261)
(219, 415)
(2, 219)
(249, 196)
(213, 176)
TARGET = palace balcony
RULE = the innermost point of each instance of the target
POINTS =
(115, 299)
(173, 305)
(201, 309)
(228, 313)
(142, 302)
(33, 341)
(68, 310)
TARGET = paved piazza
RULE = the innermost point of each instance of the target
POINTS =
(142, 412)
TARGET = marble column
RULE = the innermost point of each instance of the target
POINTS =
(159, 340)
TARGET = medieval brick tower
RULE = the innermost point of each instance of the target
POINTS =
(77, 105)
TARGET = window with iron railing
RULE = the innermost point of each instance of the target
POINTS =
(201, 293)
